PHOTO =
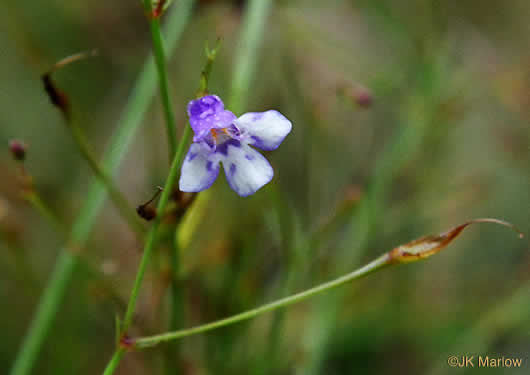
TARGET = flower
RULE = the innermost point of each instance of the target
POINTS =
(222, 138)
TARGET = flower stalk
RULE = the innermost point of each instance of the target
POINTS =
(373, 266)
(152, 235)
(413, 251)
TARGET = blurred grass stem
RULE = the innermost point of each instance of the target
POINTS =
(132, 115)
(247, 52)
(119, 200)
(42, 208)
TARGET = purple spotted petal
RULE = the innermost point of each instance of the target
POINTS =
(265, 130)
(245, 168)
(199, 170)
(208, 113)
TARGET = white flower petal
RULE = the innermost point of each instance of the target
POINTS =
(245, 168)
(265, 130)
(199, 170)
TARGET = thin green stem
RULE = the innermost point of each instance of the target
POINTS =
(34, 198)
(46, 311)
(114, 362)
(152, 235)
(121, 203)
(137, 105)
(373, 266)
(160, 60)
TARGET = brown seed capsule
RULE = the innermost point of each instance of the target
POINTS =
(146, 212)
(17, 149)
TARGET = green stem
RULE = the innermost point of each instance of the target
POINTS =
(46, 311)
(40, 205)
(151, 237)
(114, 362)
(137, 105)
(160, 59)
(375, 265)
(125, 210)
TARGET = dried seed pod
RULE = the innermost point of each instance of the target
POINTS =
(146, 212)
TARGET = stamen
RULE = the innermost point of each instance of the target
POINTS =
(214, 134)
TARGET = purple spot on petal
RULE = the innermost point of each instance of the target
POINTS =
(191, 156)
(209, 166)
(258, 142)
(223, 147)
(249, 157)
(233, 169)
(234, 130)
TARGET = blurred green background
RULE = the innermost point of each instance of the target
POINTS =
(408, 117)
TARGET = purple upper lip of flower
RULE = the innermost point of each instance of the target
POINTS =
(208, 113)
(220, 137)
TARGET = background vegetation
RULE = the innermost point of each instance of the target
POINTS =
(409, 117)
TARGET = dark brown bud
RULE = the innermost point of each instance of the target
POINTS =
(17, 149)
(146, 212)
